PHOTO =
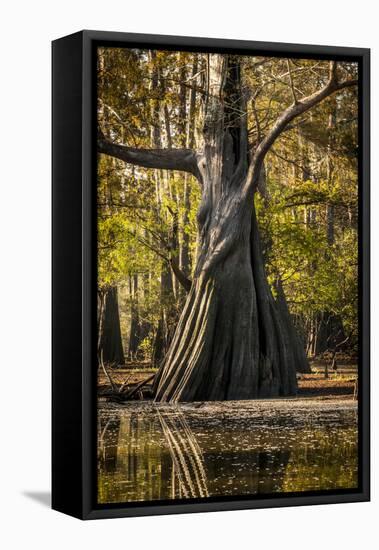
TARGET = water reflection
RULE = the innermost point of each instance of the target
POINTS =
(187, 460)
(148, 452)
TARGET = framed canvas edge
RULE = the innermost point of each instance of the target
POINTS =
(89, 509)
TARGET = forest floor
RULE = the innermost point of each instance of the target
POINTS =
(337, 384)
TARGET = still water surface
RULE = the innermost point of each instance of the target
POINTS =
(148, 452)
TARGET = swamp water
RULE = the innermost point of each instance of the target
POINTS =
(152, 452)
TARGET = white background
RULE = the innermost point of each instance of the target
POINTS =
(26, 31)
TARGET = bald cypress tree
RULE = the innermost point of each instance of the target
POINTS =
(232, 341)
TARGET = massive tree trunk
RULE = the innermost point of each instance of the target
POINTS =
(111, 341)
(231, 342)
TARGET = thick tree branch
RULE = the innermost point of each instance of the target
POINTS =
(183, 160)
(288, 116)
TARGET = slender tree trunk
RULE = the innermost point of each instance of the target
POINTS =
(135, 328)
(329, 177)
(190, 143)
(167, 321)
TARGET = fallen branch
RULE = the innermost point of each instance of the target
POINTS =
(120, 389)
(113, 385)
(132, 392)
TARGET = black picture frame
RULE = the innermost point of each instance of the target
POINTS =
(74, 274)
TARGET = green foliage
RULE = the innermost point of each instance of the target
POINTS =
(318, 271)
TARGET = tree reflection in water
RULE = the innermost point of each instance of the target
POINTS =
(161, 452)
(187, 459)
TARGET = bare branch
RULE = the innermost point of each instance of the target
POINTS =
(139, 386)
(305, 171)
(288, 116)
